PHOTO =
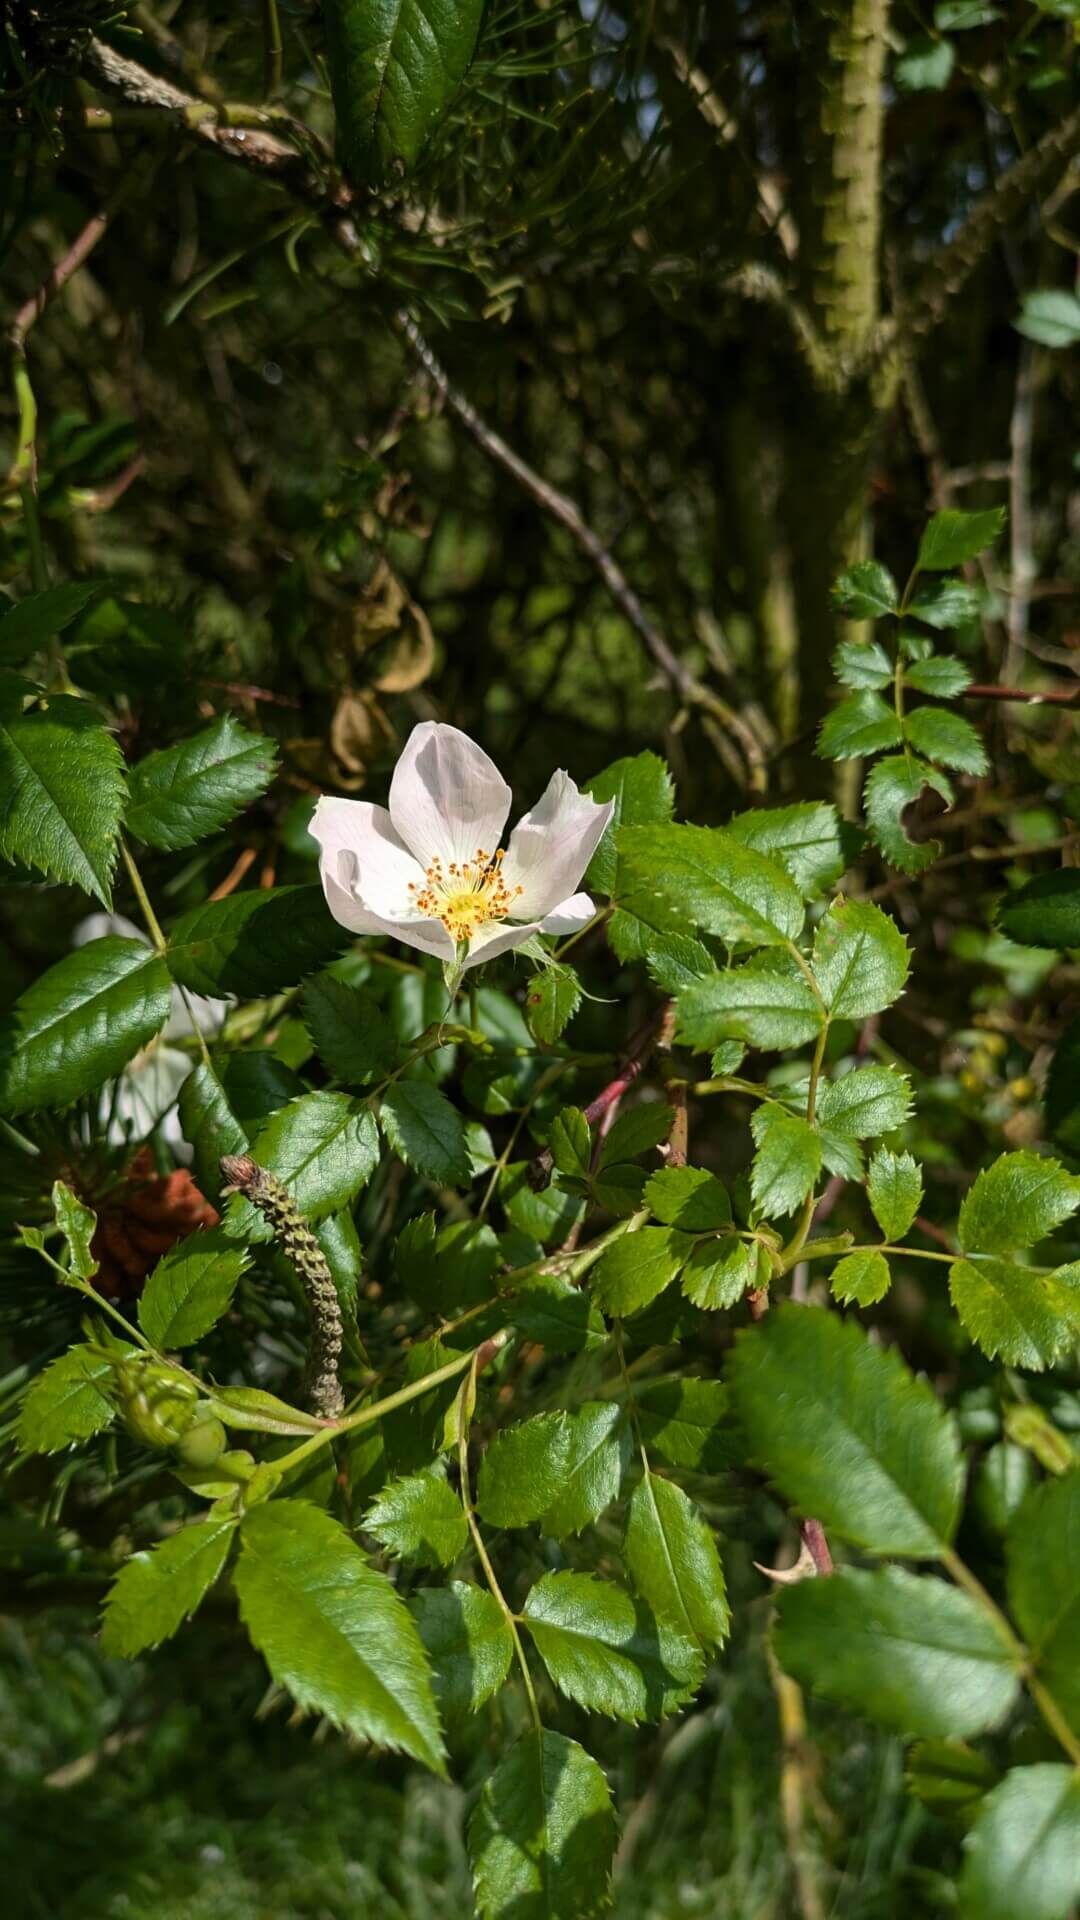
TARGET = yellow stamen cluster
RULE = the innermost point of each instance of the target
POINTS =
(466, 895)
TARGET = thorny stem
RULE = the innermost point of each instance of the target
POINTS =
(465, 1405)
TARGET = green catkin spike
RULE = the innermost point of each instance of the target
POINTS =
(298, 1243)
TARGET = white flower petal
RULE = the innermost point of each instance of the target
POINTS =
(97, 926)
(447, 799)
(551, 847)
(498, 938)
(569, 916)
(363, 854)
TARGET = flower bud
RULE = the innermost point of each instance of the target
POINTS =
(158, 1402)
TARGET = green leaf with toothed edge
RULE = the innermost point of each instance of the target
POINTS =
(635, 1268)
(427, 1132)
(255, 943)
(324, 1147)
(687, 1423)
(156, 1591)
(70, 1401)
(553, 998)
(395, 66)
(1016, 1314)
(181, 794)
(944, 604)
(847, 1432)
(1042, 1558)
(861, 724)
(680, 876)
(190, 1289)
(419, 1518)
(79, 1023)
(947, 738)
(542, 1837)
(866, 1101)
(688, 1197)
(943, 675)
(671, 1557)
(637, 1131)
(468, 1642)
(952, 537)
(597, 1458)
(1016, 1201)
(867, 591)
(523, 1472)
(860, 665)
(644, 795)
(892, 786)
(768, 1001)
(561, 1317)
(349, 1030)
(719, 1272)
(1023, 1857)
(787, 1161)
(608, 1652)
(1045, 912)
(333, 1632)
(77, 1224)
(809, 839)
(861, 960)
(862, 1277)
(61, 789)
(32, 621)
(894, 1189)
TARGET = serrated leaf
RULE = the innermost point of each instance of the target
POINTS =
(61, 790)
(768, 1001)
(158, 1590)
(952, 537)
(947, 1776)
(569, 1142)
(861, 724)
(255, 943)
(190, 1289)
(80, 1023)
(1025, 1318)
(419, 1517)
(866, 591)
(944, 604)
(672, 959)
(609, 1653)
(840, 1154)
(68, 1402)
(542, 1838)
(551, 1002)
(635, 1268)
(862, 664)
(688, 1197)
(866, 1101)
(183, 793)
(687, 1423)
(671, 1558)
(210, 1126)
(719, 1272)
(644, 795)
(324, 1147)
(395, 66)
(349, 1030)
(32, 621)
(1023, 1859)
(468, 1643)
(1016, 1202)
(77, 1224)
(522, 1473)
(861, 1277)
(547, 1216)
(861, 960)
(679, 875)
(903, 1649)
(637, 1131)
(426, 1131)
(846, 1432)
(1045, 912)
(787, 1161)
(943, 675)
(809, 839)
(892, 786)
(946, 737)
(894, 1188)
(333, 1632)
(595, 1463)
(559, 1316)
(1042, 1557)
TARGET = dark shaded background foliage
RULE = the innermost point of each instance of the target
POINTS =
(606, 245)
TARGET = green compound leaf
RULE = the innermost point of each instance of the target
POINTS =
(333, 1632)
(644, 794)
(688, 1197)
(395, 66)
(861, 960)
(1016, 1202)
(255, 943)
(943, 675)
(349, 1030)
(861, 724)
(158, 1590)
(862, 1278)
(1026, 1318)
(787, 1161)
(947, 738)
(687, 1423)
(904, 1649)
(77, 1224)
(809, 839)
(1042, 1556)
(35, 619)
(468, 1642)
(523, 1472)
(190, 1289)
(952, 537)
(894, 1188)
(324, 1147)
(1045, 912)
(419, 1517)
(596, 1461)
(426, 1131)
(671, 1558)
(768, 1001)
(182, 794)
(867, 591)
(608, 1652)
(80, 1023)
(1023, 1860)
(719, 1272)
(846, 1432)
(70, 1401)
(892, 786)
(637, 1267)
(542, 1838)
(866, 1101)
(862, 665)
(61, 790)
(553, 998)
(677, 876)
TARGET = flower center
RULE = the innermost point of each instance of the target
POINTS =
(466, 895)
